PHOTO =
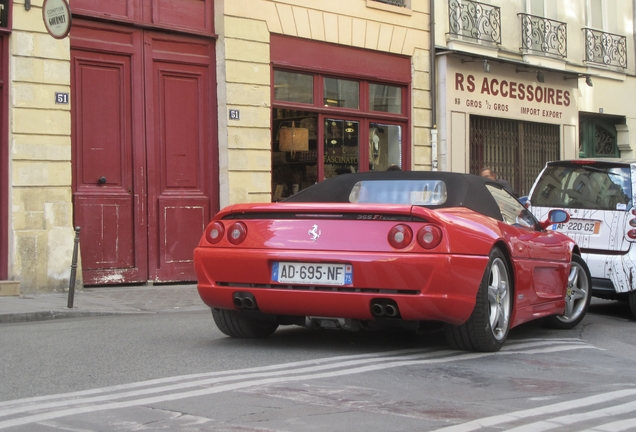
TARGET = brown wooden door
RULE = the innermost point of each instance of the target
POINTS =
(144, 161)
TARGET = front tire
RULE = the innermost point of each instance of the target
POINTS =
(577, 297)
(487, 328)
(235, 324)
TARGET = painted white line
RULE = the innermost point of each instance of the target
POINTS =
(244, 376)
(271, 380)
(543, 410)
(107, 394)
(617, 426)
(205, 375)
(571, 419)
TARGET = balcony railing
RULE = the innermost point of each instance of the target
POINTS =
(544, 35)
(474, 20)
(400, 3)
(605, 48)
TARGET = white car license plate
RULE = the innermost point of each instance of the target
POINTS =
(312, 273)
(578, 226)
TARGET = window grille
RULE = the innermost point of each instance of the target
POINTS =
(474, 20)
(544, 35)
(605, 48)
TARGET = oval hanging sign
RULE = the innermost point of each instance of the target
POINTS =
(57, 18)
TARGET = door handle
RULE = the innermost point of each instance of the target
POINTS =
(102, 180)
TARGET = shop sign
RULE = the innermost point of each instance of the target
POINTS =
(57, 18)
(508, 97)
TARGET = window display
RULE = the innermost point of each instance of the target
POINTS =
(355, 126)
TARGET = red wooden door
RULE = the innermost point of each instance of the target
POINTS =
(179, 105)
(108, 166)
(143, 155)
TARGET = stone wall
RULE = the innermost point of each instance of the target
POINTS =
(41, 218)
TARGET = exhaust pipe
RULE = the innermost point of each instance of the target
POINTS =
(244, 300)
(377, 309)
(238, 302)
(391, 310)
(386, 308)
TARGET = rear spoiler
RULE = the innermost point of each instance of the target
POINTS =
(325, 209)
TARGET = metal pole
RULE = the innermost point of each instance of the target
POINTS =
(71, 282)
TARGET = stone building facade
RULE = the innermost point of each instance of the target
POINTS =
(176, 144)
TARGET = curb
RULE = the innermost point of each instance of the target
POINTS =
(51, 315)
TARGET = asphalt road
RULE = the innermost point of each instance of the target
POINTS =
(175, 371)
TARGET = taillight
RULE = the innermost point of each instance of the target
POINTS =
(400, 236)
(429, 236)
(632, 222)
(236, 233)
(215, 232)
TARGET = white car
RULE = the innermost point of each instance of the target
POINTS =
(599, 195)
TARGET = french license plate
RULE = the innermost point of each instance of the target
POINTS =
(312, 273)
(578, 226)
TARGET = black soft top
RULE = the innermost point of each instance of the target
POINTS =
(464, 190)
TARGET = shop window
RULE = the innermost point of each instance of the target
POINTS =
(4, 14)
(313, 143)
(341, 146)
(385, 147)
(293, 87)
(342, 93)
(385, 98)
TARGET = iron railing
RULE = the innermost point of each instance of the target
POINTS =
(474, 20)
(605, 48)
(400, 3)
(544, 35)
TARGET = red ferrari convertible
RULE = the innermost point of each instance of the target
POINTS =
(392, 249)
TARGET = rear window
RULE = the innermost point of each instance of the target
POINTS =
(584, 187)
(413, 192)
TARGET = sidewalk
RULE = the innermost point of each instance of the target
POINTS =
(101, 301)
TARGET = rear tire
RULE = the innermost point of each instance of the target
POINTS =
(631, 299)
(234, 324)
(487, 328)
(577, 297)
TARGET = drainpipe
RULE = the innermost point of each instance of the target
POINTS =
(433, 85)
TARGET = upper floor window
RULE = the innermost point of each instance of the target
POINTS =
(595, 16)
(601, 46)
(537, 7)
(541, 34)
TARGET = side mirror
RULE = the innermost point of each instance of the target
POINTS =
(555, 217)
